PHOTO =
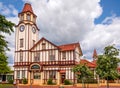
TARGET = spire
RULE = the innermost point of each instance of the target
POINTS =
(95, 54)
(27, 8)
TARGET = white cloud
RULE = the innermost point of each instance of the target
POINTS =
(65, 21)
(103, 35)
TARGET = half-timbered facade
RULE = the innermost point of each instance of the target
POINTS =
(39, 60)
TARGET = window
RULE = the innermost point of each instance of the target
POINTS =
(34, 19)
(28, 17)
(18, 74)
(23, 74)
(52, 74)
(36, 75)
(21, 42)
(64, 55)
(51, 55)
(22, 17)
(37, 57)
(21, 56)
(43, 46)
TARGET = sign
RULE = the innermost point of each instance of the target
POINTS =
(35, 67)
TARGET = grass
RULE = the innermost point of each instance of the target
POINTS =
(6, 86)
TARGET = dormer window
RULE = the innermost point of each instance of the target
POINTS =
(43, 46)
(28, 17)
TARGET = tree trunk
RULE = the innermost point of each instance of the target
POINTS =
(83, 84)
(107, 83)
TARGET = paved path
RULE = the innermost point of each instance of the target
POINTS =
(59, 87)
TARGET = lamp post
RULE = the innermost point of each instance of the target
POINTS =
(31, 81)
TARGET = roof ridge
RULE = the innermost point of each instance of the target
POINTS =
(68, 44)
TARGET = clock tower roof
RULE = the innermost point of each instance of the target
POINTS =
(27, 8)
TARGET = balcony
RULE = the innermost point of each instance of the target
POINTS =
(47, 63)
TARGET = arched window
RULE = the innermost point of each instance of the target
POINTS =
(36, 67)
(28, 17)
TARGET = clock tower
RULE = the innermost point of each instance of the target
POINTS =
(26, 35)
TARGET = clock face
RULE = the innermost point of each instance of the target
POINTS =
(33, 30)
(22, 27)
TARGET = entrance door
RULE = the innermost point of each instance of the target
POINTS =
(62, 77)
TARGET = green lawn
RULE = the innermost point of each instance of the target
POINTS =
(6, 86)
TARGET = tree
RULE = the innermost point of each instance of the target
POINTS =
(6, 27)
(107, 63)
(82, 72)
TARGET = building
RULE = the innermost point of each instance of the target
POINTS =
(39, 60)
(6, 78)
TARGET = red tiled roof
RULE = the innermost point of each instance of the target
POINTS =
(95, 54)
(89, 64)
(118, 69)
(68, 46)
(27, 7)
(94, 62)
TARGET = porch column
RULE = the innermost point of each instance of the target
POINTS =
(29, 77)
(42, 78)
(58, 78)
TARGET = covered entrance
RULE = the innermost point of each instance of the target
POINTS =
(62, 76)
(35, 74)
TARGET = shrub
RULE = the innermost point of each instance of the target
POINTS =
(10, 81)
(91, 81)
(25, 81)
(49, 82)
(67, 82)
(88, 80)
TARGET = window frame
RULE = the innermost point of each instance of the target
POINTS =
(18, 74)
(23, 74)
(64, 55)
(52, 74)
(21, 56)
(43, 46)
(37, 57)
(51, 55)
(21, 42)
(28, 17)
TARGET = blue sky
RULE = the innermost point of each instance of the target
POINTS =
(110, 7)
(94, 24)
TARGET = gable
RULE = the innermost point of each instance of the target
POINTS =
(43, 44)
(78, 50)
